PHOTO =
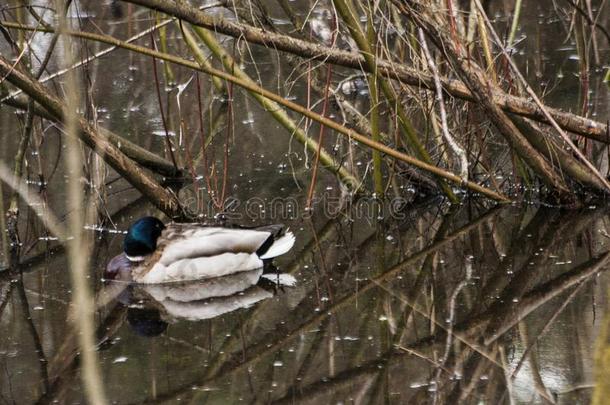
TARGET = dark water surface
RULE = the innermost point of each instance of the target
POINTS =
(522, 289)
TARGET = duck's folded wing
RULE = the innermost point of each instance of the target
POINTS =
(198, 268)
(209, 241)
(205, 289)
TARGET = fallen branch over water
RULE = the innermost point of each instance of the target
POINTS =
(252, 87)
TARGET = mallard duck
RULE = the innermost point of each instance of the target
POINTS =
(155, 253)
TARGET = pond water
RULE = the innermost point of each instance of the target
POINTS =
(523, 291)
(413, 301)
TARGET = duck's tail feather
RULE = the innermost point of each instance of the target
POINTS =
(279, 246)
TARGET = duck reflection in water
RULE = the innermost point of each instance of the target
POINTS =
(152, 307)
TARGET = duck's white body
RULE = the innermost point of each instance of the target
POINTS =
(187, 252)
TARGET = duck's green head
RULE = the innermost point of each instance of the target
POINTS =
(141, 238)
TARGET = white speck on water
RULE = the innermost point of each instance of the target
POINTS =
(121, 359)
(204, 389)
(38, 308)
(278, 363)
(161, 132)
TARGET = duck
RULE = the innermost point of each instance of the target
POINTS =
(158, 253)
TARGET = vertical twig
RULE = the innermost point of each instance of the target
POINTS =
(374, 108)
(204, 161)
(514, 25)
(228, 137)
(167, 68)
(314, 174)
(3, 237)
(168, 142)
(457, 149)
(77, 247)
(593, 34)
(25, 309)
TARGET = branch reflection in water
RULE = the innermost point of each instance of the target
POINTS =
(520, 292)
